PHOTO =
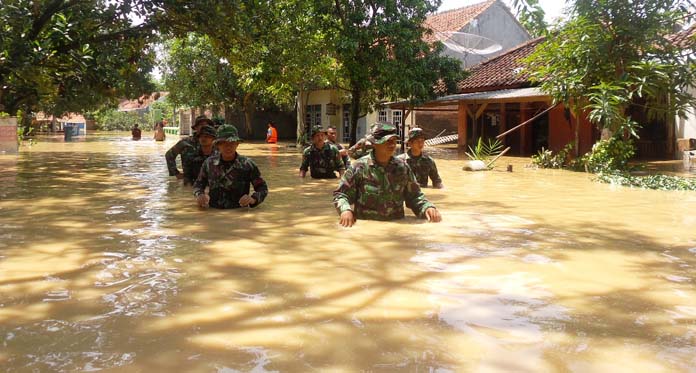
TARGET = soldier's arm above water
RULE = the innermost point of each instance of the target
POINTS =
(199, 186)
(434, 175)
(304, 166)
(259, 185)
(416, 201)
(340, 164)
(171, 155)
(345, 196)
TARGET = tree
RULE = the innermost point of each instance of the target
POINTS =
(531, 16)
(381, 53)
(612, 53)
(63, 56)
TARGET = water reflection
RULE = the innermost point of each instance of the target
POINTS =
(107, 264)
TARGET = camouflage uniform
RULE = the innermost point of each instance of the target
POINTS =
(423, 167)
(378, 193)
(183, 145)
(229, 181)
(346, 159)
(360, 149)
(322, 163)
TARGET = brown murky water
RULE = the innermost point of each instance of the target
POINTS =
(107, 264)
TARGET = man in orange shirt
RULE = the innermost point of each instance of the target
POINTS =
(271, 134)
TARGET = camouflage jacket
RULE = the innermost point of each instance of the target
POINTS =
(360, 149)
(177, 149)
(423, 167)
(346, 159)
(379, 193)
(322, 163)
(192, 159)
(229, 181)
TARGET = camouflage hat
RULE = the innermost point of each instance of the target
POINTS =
(207, 131)
(200, 120)
(227, 132)
(415, 133)
(317, 129)
(381, 133)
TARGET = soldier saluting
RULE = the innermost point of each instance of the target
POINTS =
(377, 185)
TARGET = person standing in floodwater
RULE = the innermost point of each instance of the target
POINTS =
(185, 143)
(322, 159)
(423, 165)
(229, 175)
(159, 131)
(331, 136)
(271, 133)
(136, 133)
(192, 157)
(377, 185)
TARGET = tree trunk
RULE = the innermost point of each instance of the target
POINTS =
(229, 114)
(301, 107)
(354, 114)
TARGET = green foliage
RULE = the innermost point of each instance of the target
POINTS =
(485, 150)
(609, 156)
(60, 56)
(613, 52)
(113, 120)
(545, 158)
(166, 107)
(659, 182)
(531, 16)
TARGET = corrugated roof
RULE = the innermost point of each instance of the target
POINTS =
(454, 19)
(503, 71)
(503, 95)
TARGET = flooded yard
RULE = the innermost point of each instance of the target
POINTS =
(106, 263)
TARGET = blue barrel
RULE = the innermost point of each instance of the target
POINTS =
(68, 131)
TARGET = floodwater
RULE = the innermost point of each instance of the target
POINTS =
(106, 263)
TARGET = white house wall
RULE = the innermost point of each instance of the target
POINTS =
(686, 127)
(495, 23)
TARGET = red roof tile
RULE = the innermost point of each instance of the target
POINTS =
(501, 72)
(685, 38)
(140, 103)
(455, 19)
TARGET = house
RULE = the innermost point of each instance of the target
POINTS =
(49, 123)
(491, 20)
(685, 128)
(141, 105)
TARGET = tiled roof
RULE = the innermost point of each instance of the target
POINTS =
(501, 72)
(685, 38)
(141, 103)
(455, 19)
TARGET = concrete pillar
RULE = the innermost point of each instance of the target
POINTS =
(8, 135)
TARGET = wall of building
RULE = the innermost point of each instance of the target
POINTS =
(562, 131)
(686, 127)
(497, 24)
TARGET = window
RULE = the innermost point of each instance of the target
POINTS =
(312, 115)
(382, 116)
(398, 120)
(346, 123)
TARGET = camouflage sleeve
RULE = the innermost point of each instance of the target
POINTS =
(202, 180)
(259, 184)
(305, 160)
(346, 192)
(356, 151)
(346, 161)
(340, 165)
(171, 155)
(434, 175)
(414, 197)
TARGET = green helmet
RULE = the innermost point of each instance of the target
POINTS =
(207, 131)
(227, 132)
(415, 133)
(381, 133)
(317, 129)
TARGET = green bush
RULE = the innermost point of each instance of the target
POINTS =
(547, 159)
(609, 155)
(113, 120)
(659, 182)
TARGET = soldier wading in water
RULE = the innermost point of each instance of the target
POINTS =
(229, 176)
(377, 185)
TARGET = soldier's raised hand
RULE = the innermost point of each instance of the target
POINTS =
(433, 215)
(347, 219)
(203, 200)
(246, 200)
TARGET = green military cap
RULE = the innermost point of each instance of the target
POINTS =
(207, 131)
(381, 133)
(227, 132)
(202, 119)
(317, 129)
(415, 133)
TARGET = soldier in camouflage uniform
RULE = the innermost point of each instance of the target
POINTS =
(192, 157)
(377, 185)
(360, 149)
(229, 175)
(321, 158)
(182, 144)
(331, 138)
(423, 165)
